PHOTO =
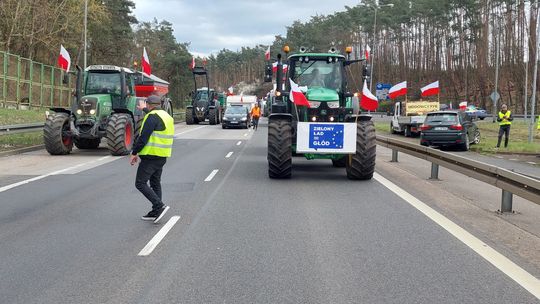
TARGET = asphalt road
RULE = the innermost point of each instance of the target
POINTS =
(74, 236)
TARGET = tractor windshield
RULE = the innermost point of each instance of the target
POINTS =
(318, 72)
(101, 82)
(202, 95)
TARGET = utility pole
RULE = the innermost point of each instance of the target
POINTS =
(85, 26)
(496, 28)
(526, 85)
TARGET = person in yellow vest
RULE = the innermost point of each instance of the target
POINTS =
(153, 147)
(255, 115)
(505, 121)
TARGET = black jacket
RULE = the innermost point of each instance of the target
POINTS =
(153, 123)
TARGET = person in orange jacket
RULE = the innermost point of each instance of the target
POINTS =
(255, 114)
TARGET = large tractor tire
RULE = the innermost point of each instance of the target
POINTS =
(340, 163)
(279, 148)
(166, 105)
(57, 135)
(361, 165)
(212, 116)
(120, 134)
(190, 118)
(86, 143)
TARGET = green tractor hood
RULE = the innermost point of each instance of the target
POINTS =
(322, 94)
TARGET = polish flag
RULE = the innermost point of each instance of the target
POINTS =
(367, 51)
(204, 61)
(297, 96)
(430, 89)
(267, 54)
(368, 101)
(64, 61)
(145, 63)
(192, 65)
(399, 89)
(274, 67)
(231, 90)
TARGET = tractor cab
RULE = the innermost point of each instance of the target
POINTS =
(204, 104)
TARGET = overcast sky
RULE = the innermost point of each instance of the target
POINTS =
(211, 25)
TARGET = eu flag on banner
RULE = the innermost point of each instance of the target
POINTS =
(326, 136)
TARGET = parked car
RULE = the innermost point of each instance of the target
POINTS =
(476, 112)
(236, 116)
(449, 128)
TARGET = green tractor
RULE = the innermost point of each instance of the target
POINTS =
(104, 106)
(331, 127)
(204, 104)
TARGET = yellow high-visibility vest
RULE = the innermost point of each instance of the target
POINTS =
(160, 142)
(505, 115)
(538, 123)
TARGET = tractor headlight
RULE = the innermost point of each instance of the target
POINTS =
(92, 112)
(79, 111)
(333, 104)
(331, 118)
(314, 104)
(314, 118)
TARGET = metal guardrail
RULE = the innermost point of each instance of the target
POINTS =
(509, 182)
(21, 128)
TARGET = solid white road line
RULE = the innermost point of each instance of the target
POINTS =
(245, 134)
(229, 154)
(211, 176)
(239, 143)
(190, 130)
(159, 236)
(33, 179)
(532, 163)
(516, 273)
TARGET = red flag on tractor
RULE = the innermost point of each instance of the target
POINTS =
(368, 101)
(64, 60)
(267, 54)
(297, 96)
(145, 63)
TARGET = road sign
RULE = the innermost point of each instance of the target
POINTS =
(326, 138)
(381, 90)
(495, 96)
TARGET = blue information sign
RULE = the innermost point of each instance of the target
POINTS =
(326, 136)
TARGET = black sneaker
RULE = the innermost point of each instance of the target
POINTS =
(160, 213)
(150, 216)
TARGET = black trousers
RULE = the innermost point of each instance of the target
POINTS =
(150, 169)
(503, 130)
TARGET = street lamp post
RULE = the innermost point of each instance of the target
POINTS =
(85, 25)
(374, 39)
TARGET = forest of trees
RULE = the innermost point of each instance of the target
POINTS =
(453, 41)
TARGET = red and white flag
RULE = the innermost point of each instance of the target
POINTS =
(204, 61)
(297, 96)
(397, 90)
(231, 90)
(64, 61)
(192, 65)
(368, 101)
(284, 67)
(367, 52)
(145, 63)
(267, 54)
(430, 89)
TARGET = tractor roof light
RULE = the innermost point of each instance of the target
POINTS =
(278, 93)
(286, 49)
(348, 49)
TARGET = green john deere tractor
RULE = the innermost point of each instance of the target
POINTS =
(331, 127)
(104, 106)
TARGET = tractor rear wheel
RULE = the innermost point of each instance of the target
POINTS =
(361, 165)
(279, 148)
(120, 134)
(87, 143)
(166, 105)
(340, 163)
(212, 116)
(57, 135)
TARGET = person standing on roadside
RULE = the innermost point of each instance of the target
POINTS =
(153, 147)
(505, 121)
(255, 114)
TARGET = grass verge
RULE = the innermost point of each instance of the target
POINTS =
(13, 116)
(20, 140)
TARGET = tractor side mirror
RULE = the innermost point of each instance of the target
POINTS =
(268, 73)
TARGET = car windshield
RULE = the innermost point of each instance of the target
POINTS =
(442, 118)
(318, 73)
(103, 83)
(235, 110)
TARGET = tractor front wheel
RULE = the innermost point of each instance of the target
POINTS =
(190, 119)
(279, 148)
(361, 165)
(57, 135)
(120, 134)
